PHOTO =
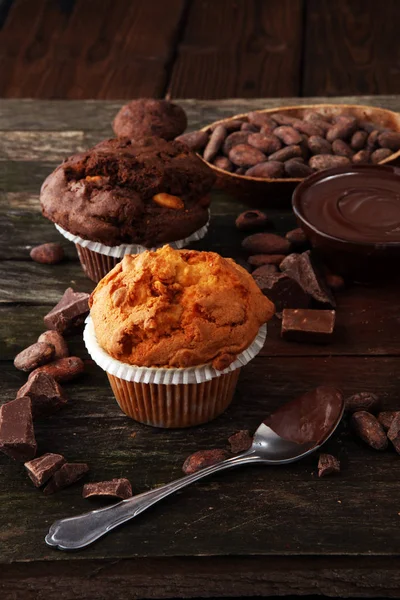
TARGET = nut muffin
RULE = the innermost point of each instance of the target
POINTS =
(147, 117)
(181, 319)
(124, 193)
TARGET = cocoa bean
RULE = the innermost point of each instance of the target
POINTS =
(195, 140)
(249, 127)
(283, 119)
(378, 155)
(343, 128)
(390, 139)
(319, 145)
(294, 168)
(327, 161)
(231, 125)
(368, 428)
(55, 339)
(258, 260)
(386, 417)
(372, 140)
(335, 282)
(308, 128)
(358, 140)
(327, 465)
(269, 170)
(394, 432)
(369, 127)
(203, 458)
(297, 238)
(244, 155)
(233, 139)
(264, 270)
(223, 162)
(240, 170)
(240, 441)
(362, 401)
(214, 143)
(340, 148)
(35, 355)
(288, 135)
(305, 151)
(266, 243)
(47, 254)
(362, 157)
(63, 369)
(286, 153)
(320, 121)
(266, 143)
(261, 119)
(251, 220)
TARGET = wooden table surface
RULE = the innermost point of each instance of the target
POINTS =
(255, 531)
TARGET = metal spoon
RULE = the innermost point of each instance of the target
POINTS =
(268, 448)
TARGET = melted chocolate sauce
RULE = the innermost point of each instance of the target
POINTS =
(359, 205)
(309, 418)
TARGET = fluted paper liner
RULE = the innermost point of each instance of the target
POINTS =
(166, 376)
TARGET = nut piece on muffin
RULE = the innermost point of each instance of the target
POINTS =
(147, 117)
(177, 308)
(123, 192)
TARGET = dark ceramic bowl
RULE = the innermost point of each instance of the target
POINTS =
(264, 192)
(359, 261)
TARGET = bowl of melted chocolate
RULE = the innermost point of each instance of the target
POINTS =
(351, 216)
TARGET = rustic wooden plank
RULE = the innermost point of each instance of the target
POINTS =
(351, 47)
(247, 49)
(51, 53)
(250, 511)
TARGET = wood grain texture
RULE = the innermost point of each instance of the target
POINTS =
(245, 49)
(351, 47)
(108, 49)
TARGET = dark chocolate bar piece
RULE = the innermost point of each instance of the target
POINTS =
(45, 393)
(282, 290)
(66, 476)
(307, 325)
(41, 469)
(306, 271)
(115, 488)
(17, 437)
(70, 313)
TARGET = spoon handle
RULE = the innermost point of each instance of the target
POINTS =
(80, 531)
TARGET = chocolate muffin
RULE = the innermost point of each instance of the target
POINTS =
(121, 192)
(148, 117)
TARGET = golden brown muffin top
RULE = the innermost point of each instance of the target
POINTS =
(177, 308)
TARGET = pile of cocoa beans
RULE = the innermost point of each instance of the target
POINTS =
(278, 145)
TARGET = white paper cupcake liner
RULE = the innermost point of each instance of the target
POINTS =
(167, 376)
(120, 251)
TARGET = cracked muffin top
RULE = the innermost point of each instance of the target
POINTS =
(124, 192)
(147, 116)
(177, 308)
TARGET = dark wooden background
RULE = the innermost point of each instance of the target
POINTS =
(109, 49)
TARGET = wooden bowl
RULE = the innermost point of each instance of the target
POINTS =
(277, 192)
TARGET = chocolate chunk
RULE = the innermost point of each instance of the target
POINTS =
(287, 261)
(394, 432)
(386, 417)
(46, 395)
(304, 325)
(307, 274)
(251, 220)
(240, 441)
(47, 254)
(55, 339)
(70, 313)
(116, 488)
(297, 238)
(35, 355)
(258, 260)
(362, 401)
(66, 476)
(203, 458)
(266, 243)
(17, 437)
(368, 428)
(41, 469)
(328, 464)
(282, 290)
(63, 369)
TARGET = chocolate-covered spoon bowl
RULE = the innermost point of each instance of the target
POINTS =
(294, 431)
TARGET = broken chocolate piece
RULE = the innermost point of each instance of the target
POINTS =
(328, 464)
(35, 355)
(282, 290)
(116, 488)
(362, 401)
(240, 441)
(288, 261)
(203, 458)
(17, 437)
(63, 369)
(46, 395)
(251, 220)
(305, 325)
(70, 312)
(66, 476)
(368, 428)
(386, 417)
(56, 340)
(307, 274)
(394, 432)
(41, 469)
